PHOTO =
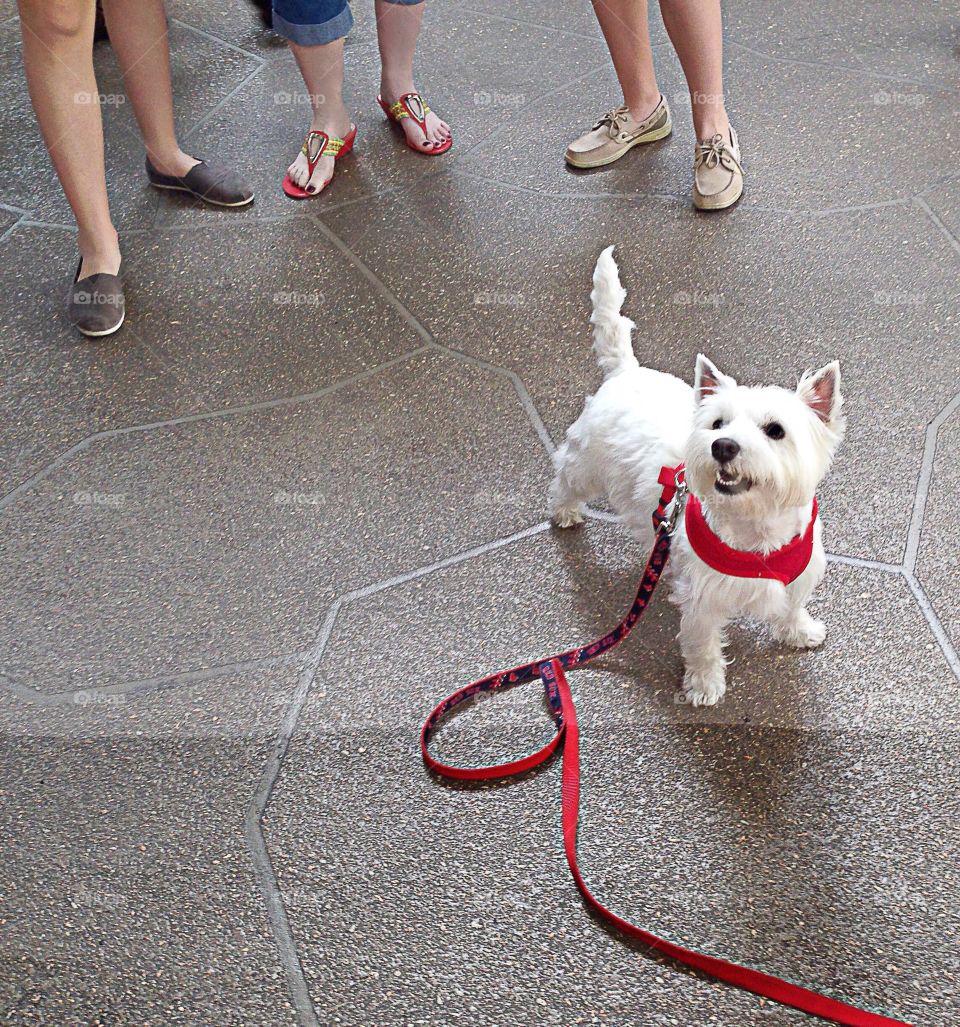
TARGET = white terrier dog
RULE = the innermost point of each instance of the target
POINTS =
(753, 458)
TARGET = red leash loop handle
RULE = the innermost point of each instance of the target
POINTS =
(551, 671)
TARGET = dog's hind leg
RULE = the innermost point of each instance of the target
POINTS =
(569, 490)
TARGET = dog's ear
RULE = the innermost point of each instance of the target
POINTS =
(707, 379)
(821, 392)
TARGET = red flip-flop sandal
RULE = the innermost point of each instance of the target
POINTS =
(315, 146)
(413, 106)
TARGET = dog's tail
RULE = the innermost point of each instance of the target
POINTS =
(611, 330)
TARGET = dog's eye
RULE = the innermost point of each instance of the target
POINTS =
(718, 424)
(774, 430)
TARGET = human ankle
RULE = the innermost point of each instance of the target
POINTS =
(100, 253)
(708, 124)
(171, 160)
(333, 116)
(98, 245)
(393, 86)
(642, 107)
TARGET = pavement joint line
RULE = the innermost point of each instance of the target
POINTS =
(798, 213)
(862, 562)
(213, 38)
(246, 408)
(143, 686)
(377, 284)
(226, 99)
(448, 561)
(31, 223)
(526, 402)
(9, 231)
(260, 800)
(15, 209)
(860, 70)
(600, 515)
(918, 514)
(520, 389)
(926, 608)
(449, 168)
(533, 415)
(256, 840)
(935, 218)
(366, 197)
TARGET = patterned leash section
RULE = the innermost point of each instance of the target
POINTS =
(551, 671)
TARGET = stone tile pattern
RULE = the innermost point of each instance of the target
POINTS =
(260, 725)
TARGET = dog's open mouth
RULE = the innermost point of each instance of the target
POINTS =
(730, 482)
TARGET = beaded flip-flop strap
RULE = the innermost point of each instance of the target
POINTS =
(413, 106)
(319, 144)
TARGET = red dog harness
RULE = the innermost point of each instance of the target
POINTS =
(785, 564)
(550, 670)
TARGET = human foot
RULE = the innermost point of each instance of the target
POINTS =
(312, 171)
(95, 303)
(207, 180)
(175, 163)
(425, 131)
(617, 132)
(717, 174)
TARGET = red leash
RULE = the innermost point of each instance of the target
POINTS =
(551, 671)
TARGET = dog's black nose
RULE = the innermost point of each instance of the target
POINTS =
(724, 450)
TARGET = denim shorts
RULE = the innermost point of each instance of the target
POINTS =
(315, 22)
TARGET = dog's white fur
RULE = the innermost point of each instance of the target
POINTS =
(640, 420)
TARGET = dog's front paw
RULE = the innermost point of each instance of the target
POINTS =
(704, 687)
(804, 632)
(568, 516)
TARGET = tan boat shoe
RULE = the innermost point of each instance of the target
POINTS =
(717, 174)
(616, 133)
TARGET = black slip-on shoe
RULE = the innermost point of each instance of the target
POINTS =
(96, 305)
(209, 181)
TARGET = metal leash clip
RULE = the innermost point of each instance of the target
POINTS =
(675, 507)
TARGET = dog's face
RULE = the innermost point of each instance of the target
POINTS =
(756, 451)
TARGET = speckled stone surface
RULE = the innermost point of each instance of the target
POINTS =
(873, 41)
(169, 362)
(781, 108)
(128, 892)
(250, 540)
(779, 828)
(491, 85)
(195, 544)
(939, 562)
(515, 289)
